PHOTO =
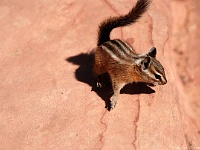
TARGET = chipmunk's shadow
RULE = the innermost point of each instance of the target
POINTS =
(84, 74)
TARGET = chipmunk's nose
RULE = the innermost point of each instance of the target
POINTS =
(164, 81)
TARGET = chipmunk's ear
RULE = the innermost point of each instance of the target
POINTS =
(145, 62)
(152, 52)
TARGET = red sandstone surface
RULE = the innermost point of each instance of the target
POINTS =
(46, 102)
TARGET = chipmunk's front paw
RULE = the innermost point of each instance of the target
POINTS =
(110, 105)
(113, 104)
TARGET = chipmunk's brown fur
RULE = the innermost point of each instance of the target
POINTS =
(119, 60)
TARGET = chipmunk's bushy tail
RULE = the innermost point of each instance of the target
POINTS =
(108, 25)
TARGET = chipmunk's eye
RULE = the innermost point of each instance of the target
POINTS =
(157, 76)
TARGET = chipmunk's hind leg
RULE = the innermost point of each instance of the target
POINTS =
(100, 82)
(97, 75)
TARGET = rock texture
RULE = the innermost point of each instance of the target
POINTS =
(46, 100)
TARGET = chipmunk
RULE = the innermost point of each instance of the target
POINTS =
(120, 61)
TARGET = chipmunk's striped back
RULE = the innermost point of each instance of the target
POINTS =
(119, 50)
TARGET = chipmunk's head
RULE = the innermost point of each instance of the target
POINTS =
(152, 70)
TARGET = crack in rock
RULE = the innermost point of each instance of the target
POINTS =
(105, 126)
(136, 121)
